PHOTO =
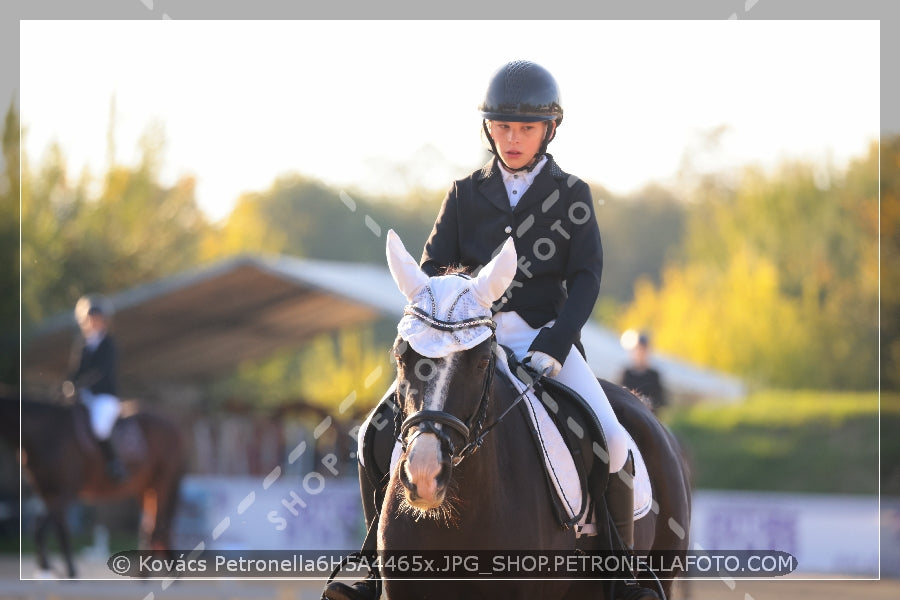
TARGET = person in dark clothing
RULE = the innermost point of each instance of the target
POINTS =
(640, 377)
(93, 373)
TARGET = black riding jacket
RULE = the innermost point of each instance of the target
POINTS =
(95, 370)
(557, 241)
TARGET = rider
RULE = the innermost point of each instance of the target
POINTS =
(523, 193)
(93, 373)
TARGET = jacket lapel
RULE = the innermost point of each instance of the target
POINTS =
(490, 184)
(541, 188)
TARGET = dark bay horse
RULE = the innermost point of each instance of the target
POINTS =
(64, 463)
(469, 477)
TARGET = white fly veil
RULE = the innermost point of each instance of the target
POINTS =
(450, 313)
(445, 300)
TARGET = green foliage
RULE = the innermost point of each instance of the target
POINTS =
(735, 321)
(779, 280)
(351, 364)
(303, 217)
(806, 441)
(75, 242)
(9, 249)
(300, 216)
(771, 276)
(640, 234)
(890, 257)
(346, 366)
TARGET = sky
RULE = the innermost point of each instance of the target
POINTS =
(374, 106)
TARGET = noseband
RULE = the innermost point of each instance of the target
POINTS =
(428, 420)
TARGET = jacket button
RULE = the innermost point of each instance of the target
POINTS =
(508, 229)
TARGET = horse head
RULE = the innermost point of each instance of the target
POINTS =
(445, 360)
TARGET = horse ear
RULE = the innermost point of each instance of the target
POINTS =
(404, 268)
(496, 276)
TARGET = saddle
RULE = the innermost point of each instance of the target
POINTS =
(127, 436)
(567, 435)
(570, 441)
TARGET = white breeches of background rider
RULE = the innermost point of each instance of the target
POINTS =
(514, 333)
(104, 410)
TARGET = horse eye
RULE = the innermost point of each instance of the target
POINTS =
(484, 363)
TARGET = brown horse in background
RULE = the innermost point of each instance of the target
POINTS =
(65, 464)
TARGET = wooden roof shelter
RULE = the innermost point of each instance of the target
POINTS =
(203, 323)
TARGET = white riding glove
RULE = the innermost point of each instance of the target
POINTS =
(544, 364)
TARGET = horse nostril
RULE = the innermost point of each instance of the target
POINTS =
(405, 480)
(444, 475)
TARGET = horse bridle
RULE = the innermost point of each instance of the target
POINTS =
(473, 431)
(470, 431)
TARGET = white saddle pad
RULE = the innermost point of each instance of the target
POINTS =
(560, 464)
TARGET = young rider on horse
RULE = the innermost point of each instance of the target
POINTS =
(93, 374)
(523, 193)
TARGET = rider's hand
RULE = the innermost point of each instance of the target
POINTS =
(68, 389)
(544, 364)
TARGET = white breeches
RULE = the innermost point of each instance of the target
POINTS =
(104, 410)
(516, 334)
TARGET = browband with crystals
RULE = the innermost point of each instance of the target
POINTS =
(436, 323)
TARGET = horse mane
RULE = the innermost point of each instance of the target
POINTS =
(456, 270)
(645, 400)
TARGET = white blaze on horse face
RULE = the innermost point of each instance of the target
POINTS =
(423, 464)
(422, 468)
(436, 390)
(404, 268)
(496, 276)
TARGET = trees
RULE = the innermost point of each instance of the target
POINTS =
(769, 275)
(641, 233)
(301, 216)
(347, 369)
(77, 241)
(779, 279)
(9, 250)
(890, 257)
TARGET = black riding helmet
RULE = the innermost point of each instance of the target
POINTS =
(522, 91)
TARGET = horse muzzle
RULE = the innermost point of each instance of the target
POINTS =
(425, 471)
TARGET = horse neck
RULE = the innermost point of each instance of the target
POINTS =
(43, 421)
(489, 462)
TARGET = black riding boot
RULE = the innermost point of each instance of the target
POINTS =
(620, 503)
(361, 590)
(114, 467)
(366, 589)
